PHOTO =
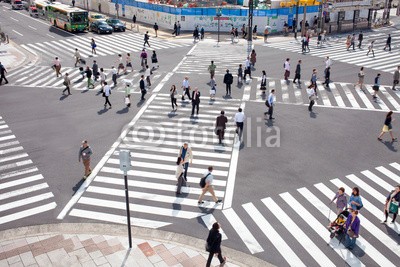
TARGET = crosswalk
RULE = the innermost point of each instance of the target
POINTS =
(45, 77)
(154, 142)
(340, 95)
(106, 45)
(23, 191)
(336, 49)
(294, 224)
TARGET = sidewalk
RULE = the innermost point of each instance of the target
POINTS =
(12, 56)
(107, 245)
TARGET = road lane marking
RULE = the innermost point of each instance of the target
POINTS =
(209, 220)
(51, 36)
(32, 27)
(26, 201)
(27, 213)
(18, 33)
(14, 19)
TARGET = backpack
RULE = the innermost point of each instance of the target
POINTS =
(203, 181)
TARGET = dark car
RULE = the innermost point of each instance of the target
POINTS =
(100, 27)
(116, 24)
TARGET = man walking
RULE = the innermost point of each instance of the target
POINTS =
(388, 43)
(3, 72)
(371, 48)
(211, 69)
(220, 126)
(114, 75)
(85, 153)
(95, 69)
(195, 101)
(175, 29)
(328, 62)
(228, 80)
(396, 77)
(312, 96)
(142, 87)
(360, 39)
(77, 56)
(67, 83)
(146, 39)
(155, 27)
(90, 84)
(185, 153)
(270, 104)
(286, 66)
(353, 41)
(186, 88)
(208, 187)
(106, 94)
(327, 76)
(247, 68)
(377, 83)
(239, 120)
(178, 28)
(297, 73)
(147, 74)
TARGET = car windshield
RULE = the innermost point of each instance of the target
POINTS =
(115, 21)
(97, 16)
(102, 23)
(79, 17)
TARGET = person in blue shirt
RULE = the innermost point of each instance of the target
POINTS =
(270, 104)
(355, 201)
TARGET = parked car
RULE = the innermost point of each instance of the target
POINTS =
(17, 4)
(100, 27)
(96, 17)
(116, 24)
(33, 12)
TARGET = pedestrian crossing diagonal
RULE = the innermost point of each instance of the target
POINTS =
(105, 45)
(154, 142)
(383, 60)
(23, 192)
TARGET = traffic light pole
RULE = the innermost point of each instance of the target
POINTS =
(250, 30)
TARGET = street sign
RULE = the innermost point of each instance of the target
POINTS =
(124, 160)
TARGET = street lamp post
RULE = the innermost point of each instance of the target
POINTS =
(297, 18)
(219, 14)
(250, 30)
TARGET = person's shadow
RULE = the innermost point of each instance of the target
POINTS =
(313, 115)
(102, 111)
(140, 103)
(77, 186)
(389, 145)
(123, 111)
(63, 97)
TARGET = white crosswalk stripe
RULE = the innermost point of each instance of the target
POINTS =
(154, 147)
(23, 192)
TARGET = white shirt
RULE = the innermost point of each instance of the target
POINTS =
(185, 83)
(77, 54)
(310, 92)
(209, 178)
(147, 72)
(57, 62)
(114, 71)
(240, 117)
(102, 76)
(179, 170)
(107, 90)
(328, 63)
(247, 63)
(287, 65)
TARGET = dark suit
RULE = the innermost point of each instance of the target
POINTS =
(195, 102)
(142, 88)
(221, 126)
(228, 80)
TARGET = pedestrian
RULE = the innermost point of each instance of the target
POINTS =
(185, 153)
(143, 59)
(173, 94)
(232, 32)
(313, 81)
(142, 87)
(220, 126)
(353, 41)
(154, 60)
(114, 75)
(57, 66)
(196, 34)
(360, 39)
(146, 39)
(243, 29)
(237, 35)
(228, 80)
(266, 32)
(327, 76)
(85, 152)
(328, 62)
(175, 29)
(297, 74)
(270, 102)
(106, 94)
(103, 77)
(95, 70)
(208, 178)
(128, 62)
(77, 56)
(319, 40)
(307, 43)
(286, 67)
(120, 64)
(361, 76)
(341, 200)
(263, 86)
(392, 204)
(396, 76)
(213, 88)
(348, 42)
(355, 201)
(377, 83)
(371, 48)
(186, 88)
(253, 58)
(303, 44)
(214, 245)
(352, 229)
(128, 94)
(179, 176)
(134, 19)
(240, 74)
(312, 96)
(3, 72)
(147, 74)
(67, 83)
(202, 33)
(195, 101)
(73, 3)
(255, 32)
(178, 28)
(155, 27)
(239, 120)
(388, 43)
(387, 127)
(247, 70)
(93, 45)
(211, 69)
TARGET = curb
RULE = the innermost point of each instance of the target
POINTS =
(30, 58)
(234, 256)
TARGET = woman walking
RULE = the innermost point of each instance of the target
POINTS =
(355, 201)
(214, 245)
(312, 97)
(179, 175)
(313, 81)
(341, 200)
(213, 89)
(387, 127)
(361, 76)
(352, 229)
(173, 94)
(253, 58)
(392, 204)
(93, 45)
(128, 61)
(263, 86)
(348, 42)
(154, 60)
(57, 66)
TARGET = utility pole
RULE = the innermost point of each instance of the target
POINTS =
(219, 14)
(250, 30)
(297, 18)
(303, 25)
(124, 165)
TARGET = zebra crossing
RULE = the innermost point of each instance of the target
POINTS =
(294, 224)
(106, 45)
(336, 50)
(341, 95)
(23, 191)
(154, 142)
(45, 77)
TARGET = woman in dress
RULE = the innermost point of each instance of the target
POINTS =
(355, 201)
(253, 58)
(387, 127)
(128, 62)
(361, 76)
(392, 201)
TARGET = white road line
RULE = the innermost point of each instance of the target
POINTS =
(283, 248)
(15, 164)
(209, 220)
(13, 143)
(29, 50)
(243, 232)
(50, 36)
(365, 97)
(14, 19)
(390, 98)
(21, 181)
(26, 201)
(20, 34)
(377, 180)
(367, 188)
(32, 27)
(3, 126)
(139, 208)
(4, 138)
(389, 174)
(27, 213)
(285, 92)
(395, 165)
(349, 94)
(17, 173)
(336, 95)
(13, 157)
(379, 101)
(117, 219)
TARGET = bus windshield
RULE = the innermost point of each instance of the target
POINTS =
(79, 17)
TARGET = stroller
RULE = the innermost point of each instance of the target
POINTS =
(337, 227)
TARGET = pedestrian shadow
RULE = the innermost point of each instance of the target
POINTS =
(239, 85)
(269, 123)
(102, 111)
(84, 91)
(393, 232)
(63, 97)
(313, 115)
(172, 114)
(263, 96)
(78, 80)
(99, 92)
(140, 103)
(389, 145)
(227, 97)
(123, 111)
(77, 186)
(211, 101)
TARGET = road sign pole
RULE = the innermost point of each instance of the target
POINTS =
(124, 165)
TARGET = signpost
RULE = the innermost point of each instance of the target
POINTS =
(125, 165)
(219, 14)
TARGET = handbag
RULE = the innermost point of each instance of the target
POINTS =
(65, 83)
(350, 232)
(104, 94)
(394, 207)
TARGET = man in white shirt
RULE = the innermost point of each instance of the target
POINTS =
(208, 187)
(239, 120)
(328, 62)
(270, 104)
(147, 74)
(286, 66)
(186, 88)
(106, 94)
(247, 68)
